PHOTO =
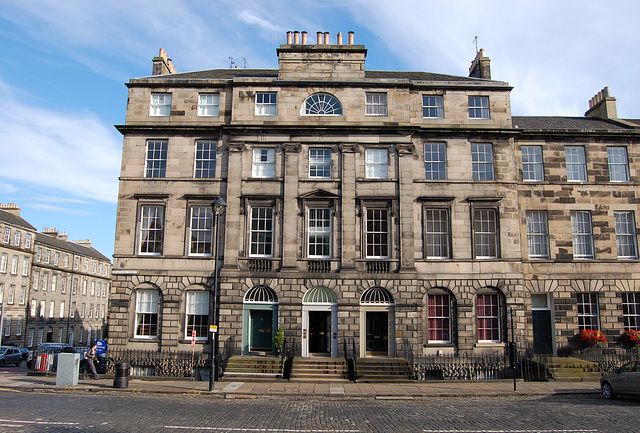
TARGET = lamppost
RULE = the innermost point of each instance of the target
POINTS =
(218, 207)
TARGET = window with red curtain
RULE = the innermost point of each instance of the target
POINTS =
(488, 318)
(439, 318)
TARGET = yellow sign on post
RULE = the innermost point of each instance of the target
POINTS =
(213, 328)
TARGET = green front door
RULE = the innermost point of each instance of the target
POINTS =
(261, 322)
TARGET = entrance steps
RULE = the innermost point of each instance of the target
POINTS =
(384, 370)
(319, 370)
(252, 368)
(573, 369)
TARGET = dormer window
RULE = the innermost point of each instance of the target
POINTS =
(321, 104)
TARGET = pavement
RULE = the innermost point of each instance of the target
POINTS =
(291, 389)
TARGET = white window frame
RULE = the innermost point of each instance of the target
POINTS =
(319, 163)
(205, 161)
(151, 231)
(576, 162)
(14, 265)
(432, 106)
(321, 104)
(626, 239)
(27, 242)
(146, 310)
(588, 311)
(201, 231)
(61, 310)
(582, 235)
(377, 232)
(25, 266)
(439, 322)
(11, 295)
(437, 233)
(56, 258)
(377, 163)
(197, 306)
(36, 280)
(532, 164)
(160, 104)
(618, 164)
(537, 234)
(16, 238)
(631, 311)
(262, 233)
(319, 228)
(52, 309)
(23, 295)
(155, 165)
(208, 104)
(263, 163)
(486, 233)
(266, 104)
(482, 161)
(47, 256)
(3, 263)
(479, 107)
(7, 235)
(376, 104)
(494, 317)
(43, 308)
(435, 161)
(54, 282)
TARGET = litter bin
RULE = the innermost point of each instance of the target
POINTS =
(121, 379)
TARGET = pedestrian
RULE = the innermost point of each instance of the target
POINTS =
(90, 359)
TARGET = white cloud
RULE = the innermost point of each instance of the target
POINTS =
(51, 208)
(73, 152)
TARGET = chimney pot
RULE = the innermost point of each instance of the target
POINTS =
(304, 38)
(351, 38)
(296, 37)
(289, 38)
(319, 35)
(339, 38)
(326, 38)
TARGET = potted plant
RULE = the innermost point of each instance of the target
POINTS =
(631, 337)
(591, 336)
(278, 341)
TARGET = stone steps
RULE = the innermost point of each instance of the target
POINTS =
(384, 370)
(319, 370)
(253, 368)
(573, 369)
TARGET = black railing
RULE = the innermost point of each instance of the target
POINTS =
(608, 359)
(351, 358)
(490, 366)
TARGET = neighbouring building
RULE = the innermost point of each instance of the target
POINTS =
(16, 257)
(390, 209)
(57, 292)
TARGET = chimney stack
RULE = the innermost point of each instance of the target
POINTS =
(602, 106)
(12, 208)
(162, 64)
(481, 66)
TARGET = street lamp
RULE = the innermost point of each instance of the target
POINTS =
(218, 207)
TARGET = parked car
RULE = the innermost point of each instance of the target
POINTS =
(48, 349)
(10, 355)
(625, 380)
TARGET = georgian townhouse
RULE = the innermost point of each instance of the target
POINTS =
(384, 209)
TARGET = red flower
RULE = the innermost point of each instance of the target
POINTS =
(631, 336)
(591, 336)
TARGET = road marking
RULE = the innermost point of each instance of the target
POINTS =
(22, 422)
(268, 430)
(511, 431)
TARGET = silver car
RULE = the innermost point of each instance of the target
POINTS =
(625, 380)
(10, 355)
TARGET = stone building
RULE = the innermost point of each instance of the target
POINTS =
(53, 290)
(69, 296)
(392, 209)
(16, 256)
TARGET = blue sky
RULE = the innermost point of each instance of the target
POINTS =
(63, 65)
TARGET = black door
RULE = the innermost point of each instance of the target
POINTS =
(261, 321)
(542, 331)
(377, 333)
(319, 331)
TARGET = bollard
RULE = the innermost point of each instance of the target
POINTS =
(121, 379)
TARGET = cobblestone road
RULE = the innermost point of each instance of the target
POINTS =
(36, 412)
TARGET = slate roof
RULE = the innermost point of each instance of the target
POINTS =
(568, 123)
(229, 74)
(14, 220)
(53, 242)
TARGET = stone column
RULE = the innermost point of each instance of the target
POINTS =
(289, 229)
(350, 232)
(406, 198)
(233, 216)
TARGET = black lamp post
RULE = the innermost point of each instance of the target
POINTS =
(218, 207)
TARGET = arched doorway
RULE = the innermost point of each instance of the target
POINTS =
(377, 314)
(260, 320)
(320, 322)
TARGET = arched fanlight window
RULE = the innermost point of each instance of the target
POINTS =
(320, 295)
(377, 296)
(261, 295)
(322, 104)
